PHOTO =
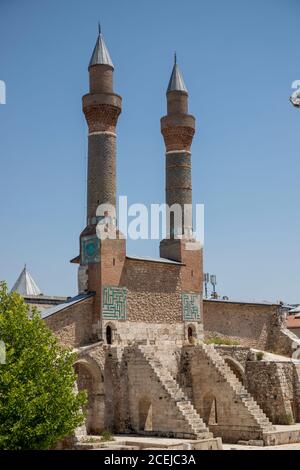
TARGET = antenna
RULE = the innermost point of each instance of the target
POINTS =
(213, 281)
(206, 281)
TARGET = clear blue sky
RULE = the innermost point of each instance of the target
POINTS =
(238, 57)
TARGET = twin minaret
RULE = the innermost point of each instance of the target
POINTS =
(102, 107)
(178, 128)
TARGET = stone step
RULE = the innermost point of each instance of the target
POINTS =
(186, 412)
(237, 387)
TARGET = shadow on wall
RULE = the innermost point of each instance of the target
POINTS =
(89, 378)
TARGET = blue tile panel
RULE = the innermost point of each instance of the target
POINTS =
(90, 250)
(114, 303)
(191, 307)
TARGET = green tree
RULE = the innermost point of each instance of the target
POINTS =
(38, 403)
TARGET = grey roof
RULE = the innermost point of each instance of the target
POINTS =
(295, 310)
(154, 260)
(176, 82)
(71, 301)
(100, 54)
(25, 285)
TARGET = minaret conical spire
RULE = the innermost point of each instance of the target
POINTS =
(176, 82)
(100, 54)
(25, 284)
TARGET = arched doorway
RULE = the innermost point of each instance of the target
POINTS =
(191, 334)
(236, 368)
(108, 334)
(145, 414)
(210, 412)
(89, 378)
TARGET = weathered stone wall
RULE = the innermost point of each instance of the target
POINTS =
(260, 326)
(168, 334)
(156, 403)
(283, 341)
(220, 399)
(249, 324)
(153, 292)
(154, 307)
(41, 302)
(108, 407)
(73, 326)
(272, 386)
(238, 353)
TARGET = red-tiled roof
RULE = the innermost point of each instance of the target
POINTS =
(292, 321)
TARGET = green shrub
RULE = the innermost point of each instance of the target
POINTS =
(106, 436)
(38, 404)
(259, 355)
(286, 419)
(221, 341)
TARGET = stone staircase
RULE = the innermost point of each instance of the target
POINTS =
(240, 392)
(185, 410)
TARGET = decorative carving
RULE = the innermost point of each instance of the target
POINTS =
(191, 307)
(178, 137)
(114, 303)
(102, 117)
(90, 250)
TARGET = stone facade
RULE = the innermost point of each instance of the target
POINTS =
(255, 325)
(248, 324)
(138, 326)
(274, 388)
(42, 302)
(73, 325)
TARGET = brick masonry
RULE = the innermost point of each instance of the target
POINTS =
(139, 338)
(248, 324)
(101, 171)
(74, 325)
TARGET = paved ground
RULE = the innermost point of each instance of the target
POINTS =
(148, 440)
(143, 441)
(283, 447)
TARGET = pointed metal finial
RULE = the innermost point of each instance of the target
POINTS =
(176, 82)
(100, 53)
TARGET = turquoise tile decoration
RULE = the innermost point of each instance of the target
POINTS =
(191, 307)
(90, 249)
(114, 303)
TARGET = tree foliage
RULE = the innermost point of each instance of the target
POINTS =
(38, 402)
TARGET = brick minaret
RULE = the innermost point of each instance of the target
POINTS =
(101, 260)
(178, 128)
(101, 107)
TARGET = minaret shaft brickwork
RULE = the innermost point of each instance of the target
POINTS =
(101, 108)
(101, 260)
(178, 128)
